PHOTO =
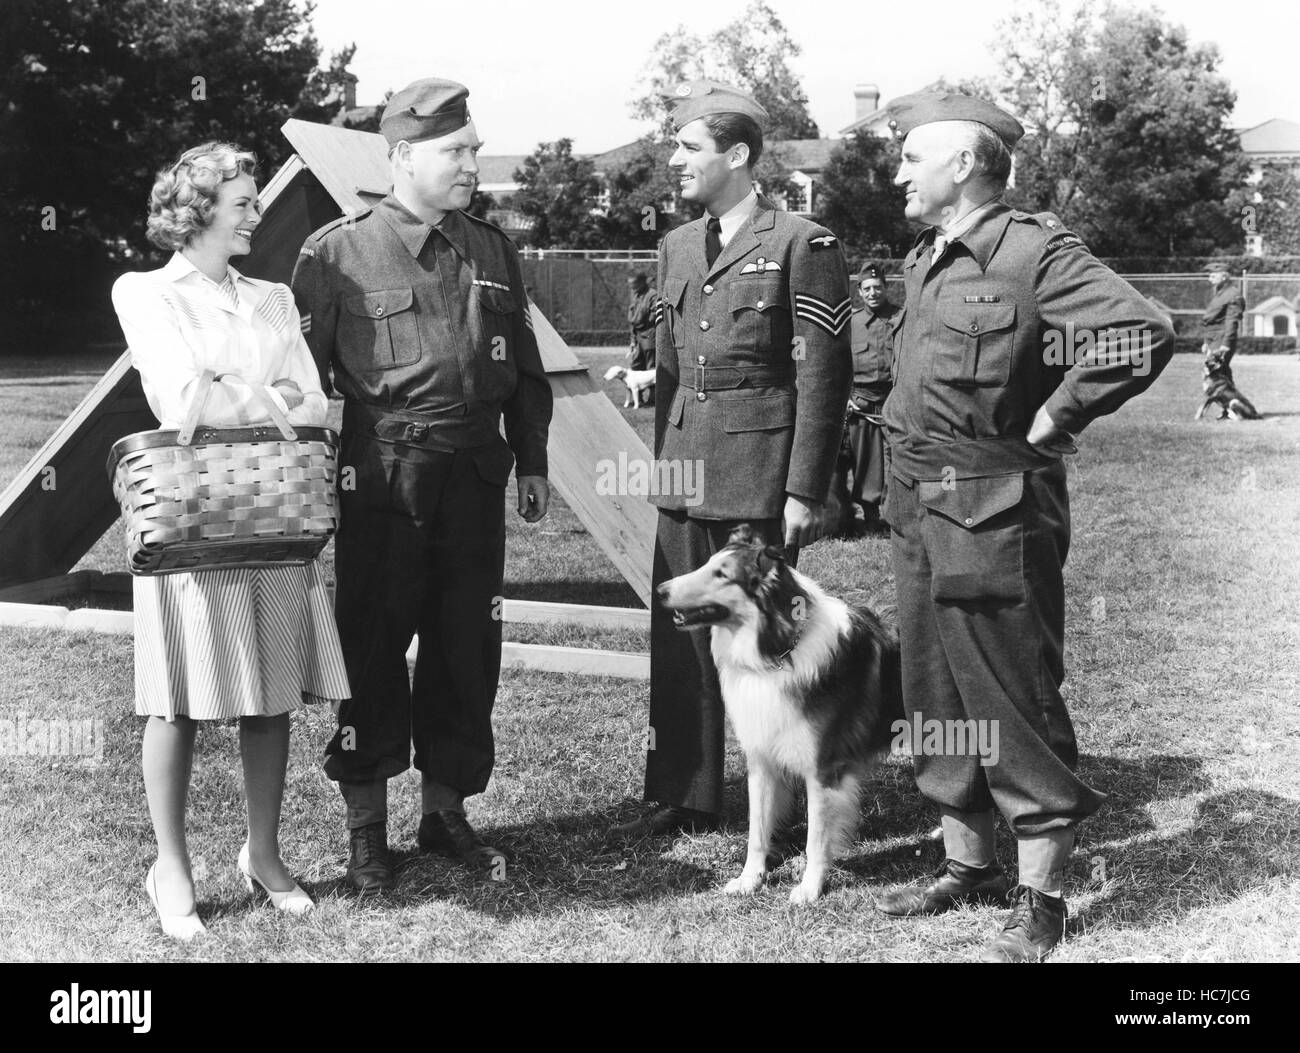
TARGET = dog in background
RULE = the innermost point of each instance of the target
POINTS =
(639, 382)
(812, 688)
(1220, 390)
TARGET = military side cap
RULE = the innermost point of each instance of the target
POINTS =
(425, 109)
(871, 270)
(1215, 267)
(699, 98)
(927, 107)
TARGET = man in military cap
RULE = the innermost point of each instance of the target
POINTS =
(871, 338)
(419, 311)
(990, 387)
(1222, 318)
(753, 376)
(642, 301)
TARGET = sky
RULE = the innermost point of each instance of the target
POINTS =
(540, 70)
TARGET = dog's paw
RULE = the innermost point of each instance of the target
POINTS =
(745, 885)
(804, 892)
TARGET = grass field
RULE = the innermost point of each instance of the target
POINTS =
(1183, 630)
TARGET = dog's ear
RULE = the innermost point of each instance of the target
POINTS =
(771, 558)
(742, 535)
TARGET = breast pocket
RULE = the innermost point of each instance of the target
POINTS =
(674, 296)
(979, 344)
(760, 314)
(496, 315)
(379, 330)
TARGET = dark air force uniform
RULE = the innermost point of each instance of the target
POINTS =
(981, 518)
(753, 377)
(428, 335)
(641, 314)
(1222, 320)
(871, 338)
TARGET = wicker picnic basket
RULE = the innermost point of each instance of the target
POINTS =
(207, 498)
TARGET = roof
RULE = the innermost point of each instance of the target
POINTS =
(1274, 136)
(805, 155)
(499, 168)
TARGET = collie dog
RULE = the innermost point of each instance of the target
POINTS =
(811, 686)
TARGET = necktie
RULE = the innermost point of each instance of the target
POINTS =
(940, 243)
(713, 241)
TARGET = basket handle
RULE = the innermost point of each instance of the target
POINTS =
(199, 401)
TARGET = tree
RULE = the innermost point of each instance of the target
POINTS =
(96, 97)
(859, 200)
(1130, 136)
(640, 190)
(750, 53)
(560, 193)
(1272, 210)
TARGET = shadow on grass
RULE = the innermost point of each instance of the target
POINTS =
(599, 593)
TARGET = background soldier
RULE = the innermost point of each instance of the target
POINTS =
(752, 298)
(871, 338)
(420, 311)
(1222, 318)
(977, 423)
(642, 299)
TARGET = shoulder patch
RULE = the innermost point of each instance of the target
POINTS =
(1063, 239)
(822, 241)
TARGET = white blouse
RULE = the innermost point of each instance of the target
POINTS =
(179, 322)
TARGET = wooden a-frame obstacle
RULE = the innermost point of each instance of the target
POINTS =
(45, 528)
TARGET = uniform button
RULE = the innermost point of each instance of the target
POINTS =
(974, 327)
(700, 360)
(704, 324)
(708, 290)
(759, 305)
(969, 521)
(378, 311)
(701, 395)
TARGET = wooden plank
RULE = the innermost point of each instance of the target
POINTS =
(538, 612)
(49, 521)
(44, 589)
(583, 661)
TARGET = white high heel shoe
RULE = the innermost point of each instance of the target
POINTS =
(295, 901)
(182, 927)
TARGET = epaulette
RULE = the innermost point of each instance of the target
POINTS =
(1056, 233)
(486, 223)
(348, 221)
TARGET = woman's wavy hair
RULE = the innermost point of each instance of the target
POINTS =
(184, 195)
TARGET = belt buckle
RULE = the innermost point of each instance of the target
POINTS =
(699, 378)
(419, 432)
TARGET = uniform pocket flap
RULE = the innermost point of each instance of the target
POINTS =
(758, 296)
(677, 409)
(674, 291)
(494, 464)
(969, 502)
(761, 413)
(379, 304)
(500, 300)
(973, 319)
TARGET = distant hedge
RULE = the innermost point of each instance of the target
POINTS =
(1246, 345)
(1150, 264)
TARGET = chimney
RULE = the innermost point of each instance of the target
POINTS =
(350, 93)
(866, 98)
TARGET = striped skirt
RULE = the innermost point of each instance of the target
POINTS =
(216, 644)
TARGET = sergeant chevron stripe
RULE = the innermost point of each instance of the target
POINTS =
(813, 309)
(659, 311)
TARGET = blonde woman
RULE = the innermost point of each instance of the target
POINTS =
(250, 644)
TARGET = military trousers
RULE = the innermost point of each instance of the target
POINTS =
(420, 548)
(981, 605)
(687, 735)
(867, 460)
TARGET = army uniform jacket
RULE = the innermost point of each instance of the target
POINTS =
(871, 338)
(1222, 318)
(1016, 314)
(753, 365)
(426, 324)
(641, 314)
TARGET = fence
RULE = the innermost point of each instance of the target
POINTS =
(585, 294)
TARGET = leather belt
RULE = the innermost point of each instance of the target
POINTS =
(455, 429)
(714, 378)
